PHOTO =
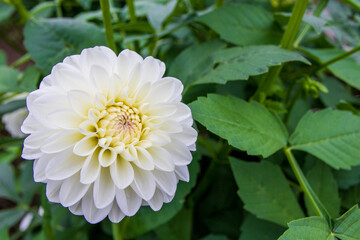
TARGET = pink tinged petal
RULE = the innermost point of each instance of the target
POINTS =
(76, 209)
(91, 169)
(156, 201)
(80, 101)
(65, 118)
(167, 181)
(86, 146)
(144, 159)
(100, 79)
(179, 152)
(188, 136)
(107, 157)
(61, 141)
(182, 172)
(30, 153)
(52, 190)
(122, 173)
(144, 183)
(126, 60)
(64, 165)
(91, 213)
(128, 201)
(104, 189)
(162, 159)
(116, 215)
(72, 190)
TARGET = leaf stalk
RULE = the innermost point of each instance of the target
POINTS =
(105, 9)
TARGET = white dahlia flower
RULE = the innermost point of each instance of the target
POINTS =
(108, 134)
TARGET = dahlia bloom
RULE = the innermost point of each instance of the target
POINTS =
(108, 134)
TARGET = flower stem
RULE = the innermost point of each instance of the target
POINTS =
(59, 13)
(132, 14)
(287, 41)
(105, 9)
(116, 231)
(305, 186)
(46, 225)
(338, 58)
(24, 59)
(307, 27)
(20, 8)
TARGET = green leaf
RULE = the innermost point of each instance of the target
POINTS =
(2, 58)
(194, 61)
(330, 135)
(308, 229)
(12, 106)
(351, 196)
(9, 217)
(4, 233)
(157, 13)
(179, 227)
(337, 92)
(8, 79)
(29, 80)
(86, 4)
(243, 24)
(347, 227)
(7, 182)
(49, 41)
(254, 228)
(29, 187)
(353, 3)
(325, 187)
(215, 237)
(146, 219)
(347, 69)
(246, 125)
(348, 178)
(6, 10)
(239, 63)
(317, 23)
(265, 192)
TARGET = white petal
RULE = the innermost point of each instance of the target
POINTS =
(144, 183)
(127, 59)
(100, 79)
(122, 173)
(99, 55)
(80, 101)
(107, 157)
(65, 118)
(116, 215)
(91, 168)
(39, 167)
(144, 159)
(104, 189)
(179, 152)
(167, 181)
(36, 139)
(63, 165)
(188, 136)
(162, 159)
(163, 91)
(182, 172)
(128, 201)
(86, 146)
(61, 141)
(72, 190)
(76, 209)
(91, 213)
(30, 153)
(31, 125)
(68, 77)
(156, 201)
(52, 190)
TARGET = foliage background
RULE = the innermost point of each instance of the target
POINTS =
(262, 93)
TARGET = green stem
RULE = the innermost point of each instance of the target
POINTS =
(105, 9)
(24, 59)
(287, 41)
(116, 231)
(305, 186)
(338, 58)
(20, 8)
(307, 27)
(132, 14)
(59, 13)
(46, 225)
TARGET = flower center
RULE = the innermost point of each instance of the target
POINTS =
(119, 124)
